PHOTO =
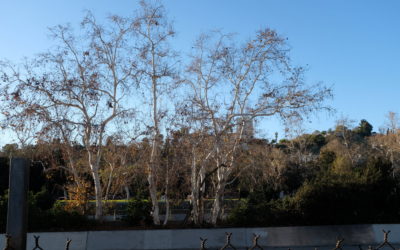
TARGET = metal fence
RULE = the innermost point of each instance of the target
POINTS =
(338, 246)
(36, 247)
(228, 245)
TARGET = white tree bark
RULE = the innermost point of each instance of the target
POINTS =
(154, 31)
(79, 85)
(230, 86)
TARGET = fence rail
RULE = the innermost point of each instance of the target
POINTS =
(338, 246)
(228, 244)
(36, 247)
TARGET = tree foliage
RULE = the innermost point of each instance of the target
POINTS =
(107, 110)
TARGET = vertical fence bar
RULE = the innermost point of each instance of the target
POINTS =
(67, 244)
(37, 247)
(17, 203)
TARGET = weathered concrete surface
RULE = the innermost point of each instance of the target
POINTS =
(54, 241)
(299, 238)
(116, 240)
(394, 229)
(321, 235)
(57, 241)
(163, 239)
(17, 203)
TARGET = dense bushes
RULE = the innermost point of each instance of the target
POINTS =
(56, 218)
(365, 195)
(263, 213)
(138, 212)
(45, 215)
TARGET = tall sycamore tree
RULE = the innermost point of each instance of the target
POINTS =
(232, 84)
(157, 63)
(78, 88)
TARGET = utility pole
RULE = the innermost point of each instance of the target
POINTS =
(17, 203)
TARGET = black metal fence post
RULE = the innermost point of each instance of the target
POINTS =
(37, 243)
(67, 244)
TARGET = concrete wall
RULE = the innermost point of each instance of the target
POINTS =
(323, 237)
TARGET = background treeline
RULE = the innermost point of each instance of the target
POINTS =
(342, 176)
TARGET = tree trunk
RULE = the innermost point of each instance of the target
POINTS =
(109, 182)
(98, 193)
(154, 157)
(195, 196)
(128, 194)
(197, 192)
(202, 189)
(73, 170)
(218, 202)
(153, 196)
(94, 167)
(167, 210)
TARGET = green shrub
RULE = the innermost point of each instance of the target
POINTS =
(45, 214)
(267, 213)
(369, 194)
(43, 199)
(138, 211)
(56, 218)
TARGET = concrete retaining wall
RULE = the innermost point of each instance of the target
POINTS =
(272, 237)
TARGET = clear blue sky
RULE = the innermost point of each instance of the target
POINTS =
(352, 45)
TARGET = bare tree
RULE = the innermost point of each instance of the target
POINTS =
(194, 155)
(157, 68)
(231, 85)
(388, 142)
(79, 86)
(347, 144)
